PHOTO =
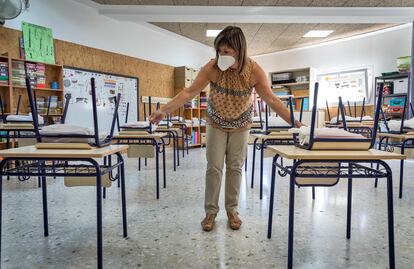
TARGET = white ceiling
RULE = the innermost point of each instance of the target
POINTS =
(303, 3)
(269, 25)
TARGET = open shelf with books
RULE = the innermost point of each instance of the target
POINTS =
(43, 78)
(296, 83)
(194, 110)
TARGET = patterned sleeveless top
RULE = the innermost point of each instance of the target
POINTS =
(230, 103)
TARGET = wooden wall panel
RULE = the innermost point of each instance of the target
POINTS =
(154, 79)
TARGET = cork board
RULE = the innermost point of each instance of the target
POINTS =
(154, 79)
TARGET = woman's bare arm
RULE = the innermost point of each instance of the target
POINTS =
(261, 84)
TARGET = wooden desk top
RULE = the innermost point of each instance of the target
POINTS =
(163, 129)
(16, 126)
(181, 123)
(132, 134)
(33, 152)
(275, 135)
(368, 124)
(399, 136)
(292, 152)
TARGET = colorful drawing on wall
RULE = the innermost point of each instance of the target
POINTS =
(38, 43)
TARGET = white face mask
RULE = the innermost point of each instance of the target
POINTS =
(225, 61)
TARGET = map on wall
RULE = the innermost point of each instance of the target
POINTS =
(77, 82)
(38, 43)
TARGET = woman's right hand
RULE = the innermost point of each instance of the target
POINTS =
(156, 117)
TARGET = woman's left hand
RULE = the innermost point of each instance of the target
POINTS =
(298, 124)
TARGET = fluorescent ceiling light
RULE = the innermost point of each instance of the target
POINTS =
(318, 33)
(212, 33)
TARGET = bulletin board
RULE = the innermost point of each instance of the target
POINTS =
(38, 43)
(351, 85)
(77, 82)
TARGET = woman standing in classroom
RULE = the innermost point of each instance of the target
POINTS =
(232, 77)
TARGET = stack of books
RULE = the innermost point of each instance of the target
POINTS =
(194, 137)
(194, 102)
(36, 74)
(4, 73)
(297, 104)
(280, 91)
(40, 76)
(18, 74)
(203, 101)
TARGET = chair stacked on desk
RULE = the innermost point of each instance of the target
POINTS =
(400, 137)
(74, 158)
(145, 143)
(320, 161)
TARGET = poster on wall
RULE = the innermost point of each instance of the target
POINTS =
(351, 85)
(77, 82)
(38, 43)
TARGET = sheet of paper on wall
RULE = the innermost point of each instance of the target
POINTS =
(38, 43)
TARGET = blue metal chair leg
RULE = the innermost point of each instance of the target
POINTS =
(253, 162)
(272, 196)
(349, 205)
(261, 169)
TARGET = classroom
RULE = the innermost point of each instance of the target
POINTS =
(206, 134)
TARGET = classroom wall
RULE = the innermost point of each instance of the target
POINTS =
(80, 23)
(378, 50)
(154, 79)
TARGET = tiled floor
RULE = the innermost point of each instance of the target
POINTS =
(166, 233)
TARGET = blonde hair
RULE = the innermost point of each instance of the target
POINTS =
(233, 37)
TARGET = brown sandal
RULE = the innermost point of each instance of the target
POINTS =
(234, 220)
(208, 222)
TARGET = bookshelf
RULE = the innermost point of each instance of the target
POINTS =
(13, 85)
(297, 83)
(194, 109)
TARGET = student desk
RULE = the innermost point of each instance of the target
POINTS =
(13, 130)
(352, 164)
(260, 142)
(368, 123)
(402, 141)
(144, 138)
(42, 163)
(172, 132)
(16, 130)
(184, 142)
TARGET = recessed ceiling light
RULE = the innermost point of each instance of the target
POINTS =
(212, 33)
(318, 33)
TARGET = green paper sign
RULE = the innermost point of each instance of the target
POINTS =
(38, 43)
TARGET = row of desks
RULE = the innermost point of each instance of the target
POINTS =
(355, 164)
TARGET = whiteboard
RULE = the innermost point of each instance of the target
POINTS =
(77, 82)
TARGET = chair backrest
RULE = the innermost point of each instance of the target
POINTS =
(3, 116)
(97, 142)
(18, 104)
(149, 129)
(68, 96)
(363, 141)
(292, 117)
(327, 110)
(401, 99)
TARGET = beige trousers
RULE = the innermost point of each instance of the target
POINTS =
(228, 147)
